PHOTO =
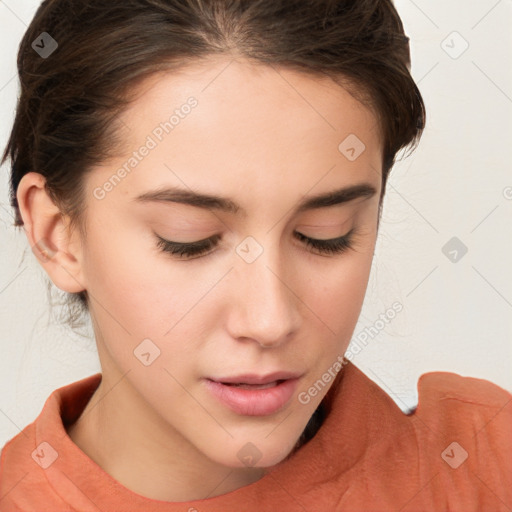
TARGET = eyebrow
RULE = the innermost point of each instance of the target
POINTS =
(225, 204)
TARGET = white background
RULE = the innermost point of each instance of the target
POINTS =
(456, 317)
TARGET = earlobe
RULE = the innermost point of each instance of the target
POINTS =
(49, 237)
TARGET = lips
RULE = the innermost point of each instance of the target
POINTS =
(256, 379)
(254, 395)
(253, 386)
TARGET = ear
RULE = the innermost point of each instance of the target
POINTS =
(56, 248)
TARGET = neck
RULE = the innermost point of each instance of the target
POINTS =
(160, 463)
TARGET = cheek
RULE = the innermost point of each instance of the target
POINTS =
(134, 290)
(334, 296)
(339, 304)
(335, 290)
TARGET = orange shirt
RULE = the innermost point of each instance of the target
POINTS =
(453, 453)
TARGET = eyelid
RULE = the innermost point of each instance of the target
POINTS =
(215, 238)
(322, 227)
(212, 238)
(201, 248)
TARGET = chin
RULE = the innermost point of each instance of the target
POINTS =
(260, 453)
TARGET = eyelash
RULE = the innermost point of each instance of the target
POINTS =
(196, 249)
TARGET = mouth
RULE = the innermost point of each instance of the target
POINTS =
(254, 395)
(244, 385)
(254, 379)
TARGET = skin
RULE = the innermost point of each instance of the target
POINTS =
(264, 137)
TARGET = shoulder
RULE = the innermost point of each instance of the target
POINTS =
(15, 465)
(445, 396)
(469, 405)
(440, 385)
(463, 427)
(26, 458)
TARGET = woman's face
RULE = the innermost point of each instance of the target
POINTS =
(259, 300)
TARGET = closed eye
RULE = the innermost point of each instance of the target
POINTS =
(192, 250)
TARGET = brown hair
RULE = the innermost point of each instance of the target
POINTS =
(66, 113)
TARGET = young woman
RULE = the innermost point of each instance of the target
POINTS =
(206, 178)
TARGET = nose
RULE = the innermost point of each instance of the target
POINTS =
(265, 308)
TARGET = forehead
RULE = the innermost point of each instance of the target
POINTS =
(229, 89)
(250, 123)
